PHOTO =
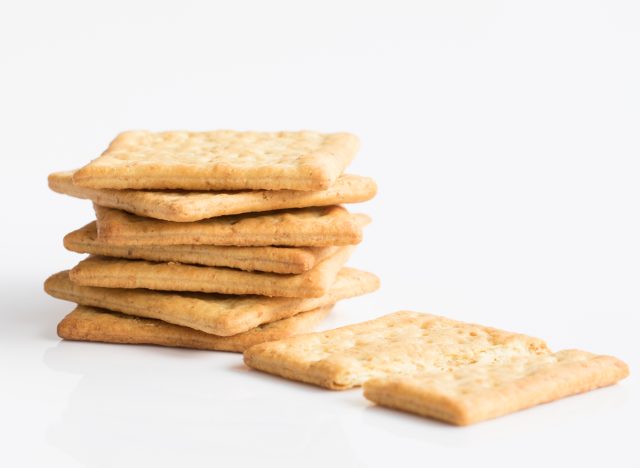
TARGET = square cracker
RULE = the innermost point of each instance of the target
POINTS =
(302, 227)
(107, 272)
(271, 259)
(92, 324)
(186, 206)
(211, 313)
(483, 391)
(220, 160)
(401, 343)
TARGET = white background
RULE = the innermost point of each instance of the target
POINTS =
(504, 138)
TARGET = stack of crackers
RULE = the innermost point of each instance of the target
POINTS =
(213, 240)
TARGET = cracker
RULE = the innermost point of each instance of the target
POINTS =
(185, 206)
(402, 343)
(305, 227)
(110, 272)
(483, 391)
(211, 313)
(220, 160)
(92, 324)
(271, 259)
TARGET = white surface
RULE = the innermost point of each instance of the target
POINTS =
(503, 135)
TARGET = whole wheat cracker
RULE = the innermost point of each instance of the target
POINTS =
(305, 227)
(211, 313)
(110, 272)
(272, 259)
(483, 391)
(220, 160)
(401, 343)
(186, 206)
(92, 324)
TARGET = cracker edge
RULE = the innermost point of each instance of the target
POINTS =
(186, 210)
(313, 283)
(115, 229)
(75, 327)
(299, 260)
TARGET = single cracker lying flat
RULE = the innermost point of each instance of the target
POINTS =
(484, 391)
(220, 160)
(92, 324)
(211, 313)
(306, 227)
(271, 259)
(188, 206)
(107, 272)
(402, 343)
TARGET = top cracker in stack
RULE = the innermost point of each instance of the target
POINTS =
(221, 160)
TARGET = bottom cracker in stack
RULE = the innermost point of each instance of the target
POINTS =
(93, 324)
(433, 366)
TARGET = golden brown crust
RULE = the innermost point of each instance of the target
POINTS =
(220, 160)
(187, 206)
(402, 343)
(92, 324)
(108, 272)
(286, 260)
(306, 227)
(210, 313)
(487, 390)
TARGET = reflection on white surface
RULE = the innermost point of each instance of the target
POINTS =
(199, 404)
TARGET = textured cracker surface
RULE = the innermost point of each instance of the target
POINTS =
(220, 160)
(108, 272)
(305, 227)
(482, 391)
(212, 313)
(271, 259)
(403, 343)
(185, 206)
(91, 324)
